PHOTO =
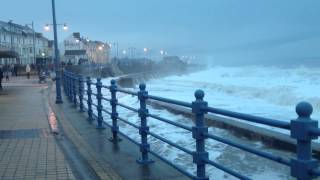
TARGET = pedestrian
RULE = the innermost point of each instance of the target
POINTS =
(1, 76)
(15, 69)
(7, 71)
(28, 69)
(12, 69)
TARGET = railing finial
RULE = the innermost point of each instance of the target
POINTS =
(304, 109)
(199, 94)
(113, 82)
(142, 87)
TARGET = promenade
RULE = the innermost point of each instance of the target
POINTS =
(42, 140)
(28, 149)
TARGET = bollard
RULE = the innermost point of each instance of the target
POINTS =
(89, 92)
(143, 131)
(114, 114)
(74, 90)
(198, 108)
(99, 102)
(300, 128)
(80, 89)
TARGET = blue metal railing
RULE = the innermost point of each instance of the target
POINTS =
(303, 129)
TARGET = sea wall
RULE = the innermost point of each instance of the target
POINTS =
(267, 136)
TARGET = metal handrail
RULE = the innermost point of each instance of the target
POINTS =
(170, 143)
(303, 129)
(127, 91)
(170, 101)
(249, 149)
(227, 170)
(251, 118)
(128, 107)
(170, 122)
(127, 122)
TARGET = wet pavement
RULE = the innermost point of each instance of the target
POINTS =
(28, 149)
(119, 157)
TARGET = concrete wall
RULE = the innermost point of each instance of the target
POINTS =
(269, 137)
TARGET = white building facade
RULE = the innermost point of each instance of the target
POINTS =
(23, 40)
(77, 48)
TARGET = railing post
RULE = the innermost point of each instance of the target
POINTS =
(74, 90)
(300, 130)
(80, 89)
(114, 113)
(89, 93)
(198, 108)
(99, 102)
(143, 131)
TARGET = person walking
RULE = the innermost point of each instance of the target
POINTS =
(6, 71)
(1, 76)
(15, 69)
(28, 69)
(12, 69)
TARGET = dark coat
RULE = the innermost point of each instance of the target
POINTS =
(1, 73)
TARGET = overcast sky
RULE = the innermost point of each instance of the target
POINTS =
(210, 27)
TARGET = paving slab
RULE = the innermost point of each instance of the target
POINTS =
(28, 149)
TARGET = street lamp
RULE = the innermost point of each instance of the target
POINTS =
(48, 28)
(33, 42)
(65, 27)
(57, 58)
(115, 44)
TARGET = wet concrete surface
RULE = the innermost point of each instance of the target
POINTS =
(121, 156)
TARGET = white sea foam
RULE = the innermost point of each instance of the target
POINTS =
(269, 92)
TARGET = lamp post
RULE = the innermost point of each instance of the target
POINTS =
(132, 50)
(33, 42)
(57, 58)
(11, 34)
(117, 46)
